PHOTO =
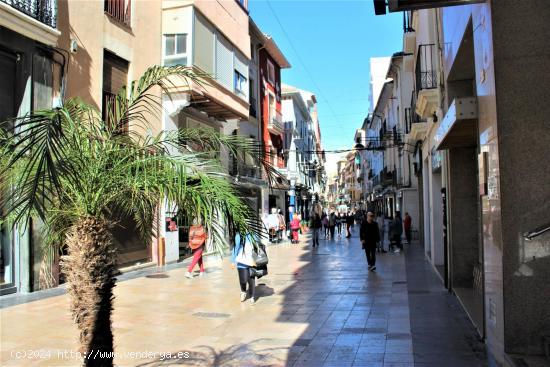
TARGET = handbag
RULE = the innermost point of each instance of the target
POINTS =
(261, 258)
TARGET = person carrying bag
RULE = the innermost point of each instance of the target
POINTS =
(251, 264)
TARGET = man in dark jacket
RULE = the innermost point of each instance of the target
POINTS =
(370, 236)
(316, 225)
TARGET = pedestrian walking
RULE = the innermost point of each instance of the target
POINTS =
(339, 220)
(349, 224)
(370, 236)
(243, 258)
(397, 228)
(197, 239)
(332, 224)
(273, 225)
(407, 225)
(316, 225)
(295, 227)
(380, 220)
(324, 219)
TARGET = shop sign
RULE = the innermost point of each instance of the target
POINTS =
(436, 160)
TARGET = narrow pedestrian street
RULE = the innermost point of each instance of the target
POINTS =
(317, 307)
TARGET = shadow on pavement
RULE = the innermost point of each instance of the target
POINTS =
(249, 354)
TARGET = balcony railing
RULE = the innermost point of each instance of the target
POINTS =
(276, 121)
(407, 22)
(426, 70)
(119, 10)
(45, 11)
(243, 170)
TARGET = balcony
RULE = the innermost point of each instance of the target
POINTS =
(119, 10)
(387, 178)
(43, 11)
(244, 170)
(275, 124)
(35, 19)
(426, 80)
(415, 128)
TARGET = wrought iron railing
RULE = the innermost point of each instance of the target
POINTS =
(119, 10)
(426, 70)
(45, 11)
(276, 120)
(407, 21)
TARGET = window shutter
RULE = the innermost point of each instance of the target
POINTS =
(224, 62)
(204, 46)
(115, 73)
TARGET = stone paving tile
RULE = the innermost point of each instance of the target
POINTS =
(392, 357)
(313, 310)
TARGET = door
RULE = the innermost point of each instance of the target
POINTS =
(8, 76)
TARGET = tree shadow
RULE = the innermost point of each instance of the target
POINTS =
(244, 354)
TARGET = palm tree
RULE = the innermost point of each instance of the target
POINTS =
(81, 175)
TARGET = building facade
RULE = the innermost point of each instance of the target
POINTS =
(484, 195)
(271, 61)
(300, 146)
(52, 50)
(31, 75)
(198, 35)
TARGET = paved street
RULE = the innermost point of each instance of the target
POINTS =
(316, 308)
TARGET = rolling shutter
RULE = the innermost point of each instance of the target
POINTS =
(224, 62)
(204, 46)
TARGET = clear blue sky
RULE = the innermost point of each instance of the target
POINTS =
(334, 40)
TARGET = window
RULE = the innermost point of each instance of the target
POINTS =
(175, 49)
(117, 9)
(252, 98)
(270, 72)
(115, 76)
(240, 83)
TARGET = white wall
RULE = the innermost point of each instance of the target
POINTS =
(378, 69)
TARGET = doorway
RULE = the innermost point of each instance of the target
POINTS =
(465, 249)
(8, 76)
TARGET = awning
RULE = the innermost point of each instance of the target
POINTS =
(459, 126)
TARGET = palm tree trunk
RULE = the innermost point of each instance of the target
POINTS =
(90, 267)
